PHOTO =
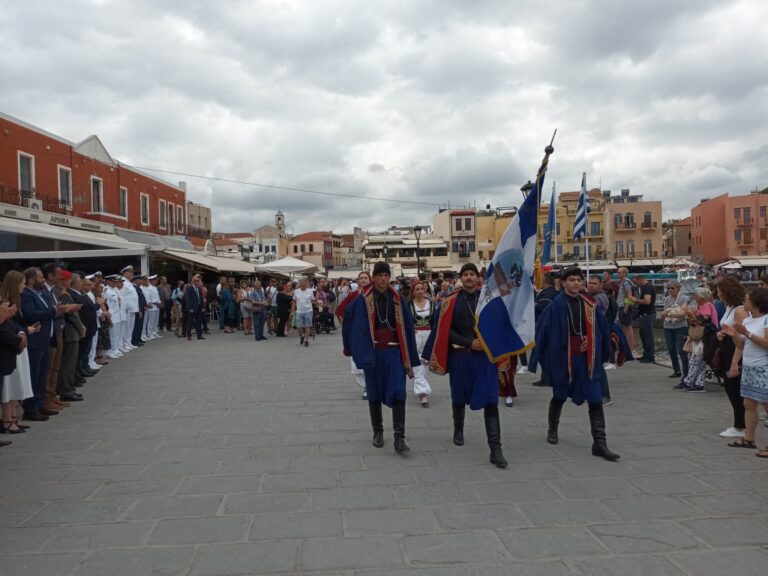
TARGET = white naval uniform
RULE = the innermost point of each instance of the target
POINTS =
(154, 318)
(131, 299)
(116, 307)
(94, 341)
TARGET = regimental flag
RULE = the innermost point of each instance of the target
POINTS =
(580, 226)
(548, 230)
(504, 317)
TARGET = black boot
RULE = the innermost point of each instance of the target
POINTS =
(458, 424)
(493, 431)
(555, 409)
(597, 423)
(398, 425)
(376, 423)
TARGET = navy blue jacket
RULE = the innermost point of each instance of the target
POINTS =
(33, 311)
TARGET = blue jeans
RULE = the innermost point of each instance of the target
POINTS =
(258, 324)
(675, 338)
(645, 326)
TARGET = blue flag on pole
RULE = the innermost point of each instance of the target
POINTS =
(580, 226)
(504, 317)
(548, 230)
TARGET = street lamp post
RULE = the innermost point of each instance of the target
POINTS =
(417, 233)
(385, 252)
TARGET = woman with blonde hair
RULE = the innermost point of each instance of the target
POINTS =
(699, 321)
(18, 385)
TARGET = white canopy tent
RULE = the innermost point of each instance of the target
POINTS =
(287, 266)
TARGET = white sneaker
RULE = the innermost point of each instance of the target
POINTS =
(609, 366)
(522, 369)
(732, 433)
(94, 366)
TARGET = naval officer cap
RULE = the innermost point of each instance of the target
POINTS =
(128, 268)
(90, 276)
(153, 277)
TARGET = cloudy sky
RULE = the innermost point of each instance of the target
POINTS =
(431, 101)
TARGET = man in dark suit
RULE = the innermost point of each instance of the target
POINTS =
(88, 318)
(193, 307)
(139, 324)
(11, 343)
(36, 306)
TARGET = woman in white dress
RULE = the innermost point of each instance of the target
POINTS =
(18, 385)
(422, 309)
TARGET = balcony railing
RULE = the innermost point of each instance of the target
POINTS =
(25, 198)
(648, 225)
(744, 221)
(624, 226)
(198, 232)
(745, 241)
(651, 254)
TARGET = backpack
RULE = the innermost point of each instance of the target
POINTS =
(331, 296)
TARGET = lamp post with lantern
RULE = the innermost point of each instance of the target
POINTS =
(417, 233)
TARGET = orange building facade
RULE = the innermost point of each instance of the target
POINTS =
(43, 171)
(730, 227)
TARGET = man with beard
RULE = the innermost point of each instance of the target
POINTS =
(572, 324)
(378, 333)
(454, 348)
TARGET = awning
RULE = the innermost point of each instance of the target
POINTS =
(656, 262)
(287, 266)
(348, 274)
(215, 263)
(744, 262)
(42, 230)
(100, 244)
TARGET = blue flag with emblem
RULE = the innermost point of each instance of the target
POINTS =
(580, 226)
(504, 317)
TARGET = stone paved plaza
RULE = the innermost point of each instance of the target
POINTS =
(227, 457)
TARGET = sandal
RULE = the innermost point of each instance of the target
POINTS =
(743, 443)
(5, 428)
(762, 453)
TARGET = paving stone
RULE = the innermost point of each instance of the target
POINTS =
(299, 481)
(548, 568)
(334, 463)
(593, 488)
(378, 477)
(50, 491)
(295, 525)
(349, 553)
(38, 564)
(652, 508)
(175, 507)
(98, 536)
(273, 464)
(627, 566)
(536, 543)
(479, 516)
(730, 504)
(567, 512)
(425, 495)
(208, 530)
(513, 492)
(730, 531)
(23, 539)
(748, 562)
(429, 474)
(456, 547)
(272, 502)
(671, 484)
(111, 472)
(72, 512)
(220, 484)
(642, 537)
(170, 561)
(179, 469)
(374, 522)
(359, 497)
(142, 487)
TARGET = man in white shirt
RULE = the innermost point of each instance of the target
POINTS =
(303, 298)
(156, 302)
(271, 293)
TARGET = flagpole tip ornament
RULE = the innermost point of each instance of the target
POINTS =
(549, 149)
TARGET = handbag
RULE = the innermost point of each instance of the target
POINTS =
(695, 332)
(688, 346)
(247, 304)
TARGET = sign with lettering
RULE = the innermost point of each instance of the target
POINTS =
(21, 213)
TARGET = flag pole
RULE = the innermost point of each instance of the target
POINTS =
(586, 223)
(554, 232)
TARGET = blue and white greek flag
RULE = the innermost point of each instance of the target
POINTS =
(580, 226)
(505, 314)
